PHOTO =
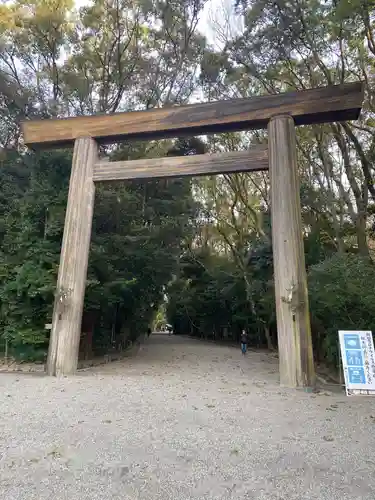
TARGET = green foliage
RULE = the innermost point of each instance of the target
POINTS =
(200, 299)
(210, 295)
(58, 61)
(216, 262)
(32, 225)
(160, 317)
(341, 298)
(137, 235)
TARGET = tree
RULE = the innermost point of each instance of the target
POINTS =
(341, 298)
(56, 61)
(293, 46)
(108, 56)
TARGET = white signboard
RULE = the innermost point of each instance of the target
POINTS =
(358, 360)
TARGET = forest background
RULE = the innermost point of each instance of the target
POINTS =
(204, 244)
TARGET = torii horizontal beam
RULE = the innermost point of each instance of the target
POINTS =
(321, 105)
(254, 159)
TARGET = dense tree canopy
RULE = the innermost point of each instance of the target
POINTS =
(287, 46)
(206, 243)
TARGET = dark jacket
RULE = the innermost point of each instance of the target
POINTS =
(244, 338)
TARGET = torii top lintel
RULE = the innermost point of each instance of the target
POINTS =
(320, 105)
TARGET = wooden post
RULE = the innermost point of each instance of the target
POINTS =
(70, 292)
(292, 306)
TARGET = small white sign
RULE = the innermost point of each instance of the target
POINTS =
(48, 326)
(358, 361)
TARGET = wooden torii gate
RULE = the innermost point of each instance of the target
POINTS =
(279, 113)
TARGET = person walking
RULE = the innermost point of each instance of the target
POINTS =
(243, 342)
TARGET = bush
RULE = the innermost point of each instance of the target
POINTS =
(341, 298)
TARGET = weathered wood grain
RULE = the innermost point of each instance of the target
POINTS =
(327, 104)
(292, 305)
(240, 161)
(67, 313)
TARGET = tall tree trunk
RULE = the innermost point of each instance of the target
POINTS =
(361, 235)
(268, 336)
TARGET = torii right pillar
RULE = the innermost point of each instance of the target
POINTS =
(292, 304)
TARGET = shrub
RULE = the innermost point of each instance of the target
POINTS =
(341, 298)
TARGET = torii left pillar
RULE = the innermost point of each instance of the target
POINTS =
(71, 283)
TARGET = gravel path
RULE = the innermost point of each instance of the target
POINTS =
(182, 420)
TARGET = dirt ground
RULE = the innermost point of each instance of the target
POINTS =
(183, 419)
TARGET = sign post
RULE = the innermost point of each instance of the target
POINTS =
(358, 361)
